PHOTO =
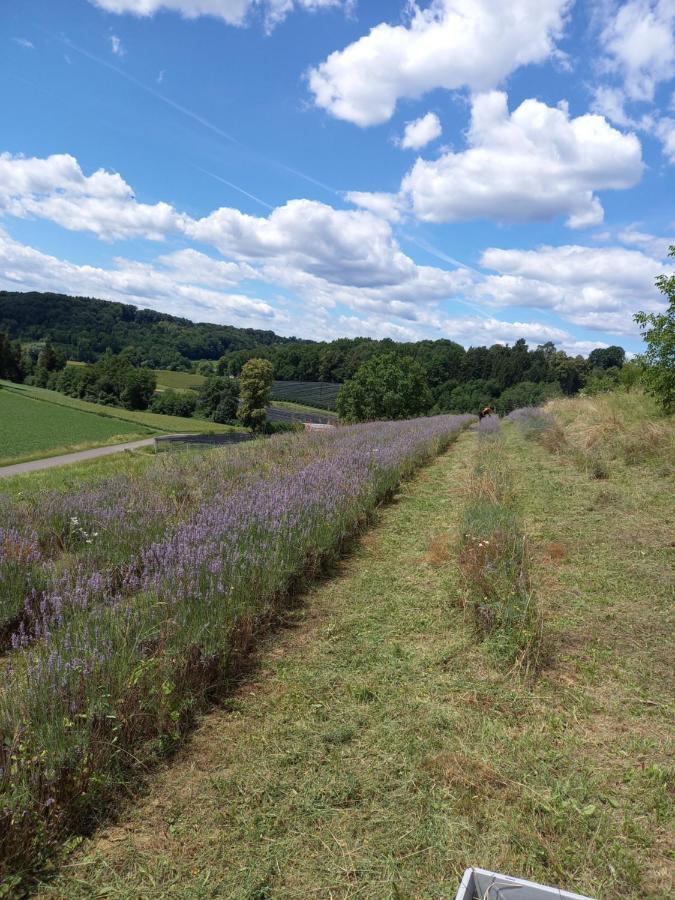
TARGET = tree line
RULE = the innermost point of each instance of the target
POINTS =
(114, 380)
(447, 377)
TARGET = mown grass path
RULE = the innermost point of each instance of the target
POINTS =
(377, 750)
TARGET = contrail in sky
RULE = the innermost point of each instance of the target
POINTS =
(158, 95)
(235, 186)
(205, 123)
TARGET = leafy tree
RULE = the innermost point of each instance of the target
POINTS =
(218, 399)
(526, 393)
(658, 332)
(569, 371)
(174, 403)
(469, 396)
(631, 375)
(255, 389)
(49, 360)
(138, 386)
(385, 387)
(112, 381)
(600, 381)
(607, 357)
(10, 359)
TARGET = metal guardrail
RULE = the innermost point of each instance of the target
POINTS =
(176, 441)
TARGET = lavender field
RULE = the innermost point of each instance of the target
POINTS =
(127, 604)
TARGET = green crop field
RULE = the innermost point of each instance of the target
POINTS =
(146, 420)
(32, 428)
(178, 381)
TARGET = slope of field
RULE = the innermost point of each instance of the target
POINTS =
(379, 748)
(142, 420)
(32, 429)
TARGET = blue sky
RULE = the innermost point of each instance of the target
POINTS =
(458, 168)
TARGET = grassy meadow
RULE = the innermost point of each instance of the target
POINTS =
(178, 381)
(482, 678)
(381, 743)
(46, 423)
(32, 429)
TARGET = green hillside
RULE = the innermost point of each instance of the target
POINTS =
(33, 429)
(73, 422)
(85, 327)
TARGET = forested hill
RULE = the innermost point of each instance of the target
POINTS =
(85, 327)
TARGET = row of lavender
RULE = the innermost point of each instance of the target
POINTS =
(78, 543)
(116, 648)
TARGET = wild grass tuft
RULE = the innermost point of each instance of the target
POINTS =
(494, 563)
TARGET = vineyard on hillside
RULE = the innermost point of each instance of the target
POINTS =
(320, 394)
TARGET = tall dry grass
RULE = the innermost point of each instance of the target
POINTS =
(617, 426)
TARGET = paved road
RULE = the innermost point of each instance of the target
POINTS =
(67, 458)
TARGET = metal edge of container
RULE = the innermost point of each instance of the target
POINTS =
(476, 882)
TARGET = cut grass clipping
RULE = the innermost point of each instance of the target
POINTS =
(494, 560)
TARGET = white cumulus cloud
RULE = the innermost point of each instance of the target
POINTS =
(55, 188)
(387, 206)
(233, 12)
(116, 45)
(449, 44)
(598, 288)
(532, 164)
(639, 40)
(343, 246)
(421, 132)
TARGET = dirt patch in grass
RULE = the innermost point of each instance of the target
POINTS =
(556, 551)
(439, 551)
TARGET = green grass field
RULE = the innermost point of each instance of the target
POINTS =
(32, 429)
(147, 420)
(178, 381)
(301, 407)
(380, 747)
